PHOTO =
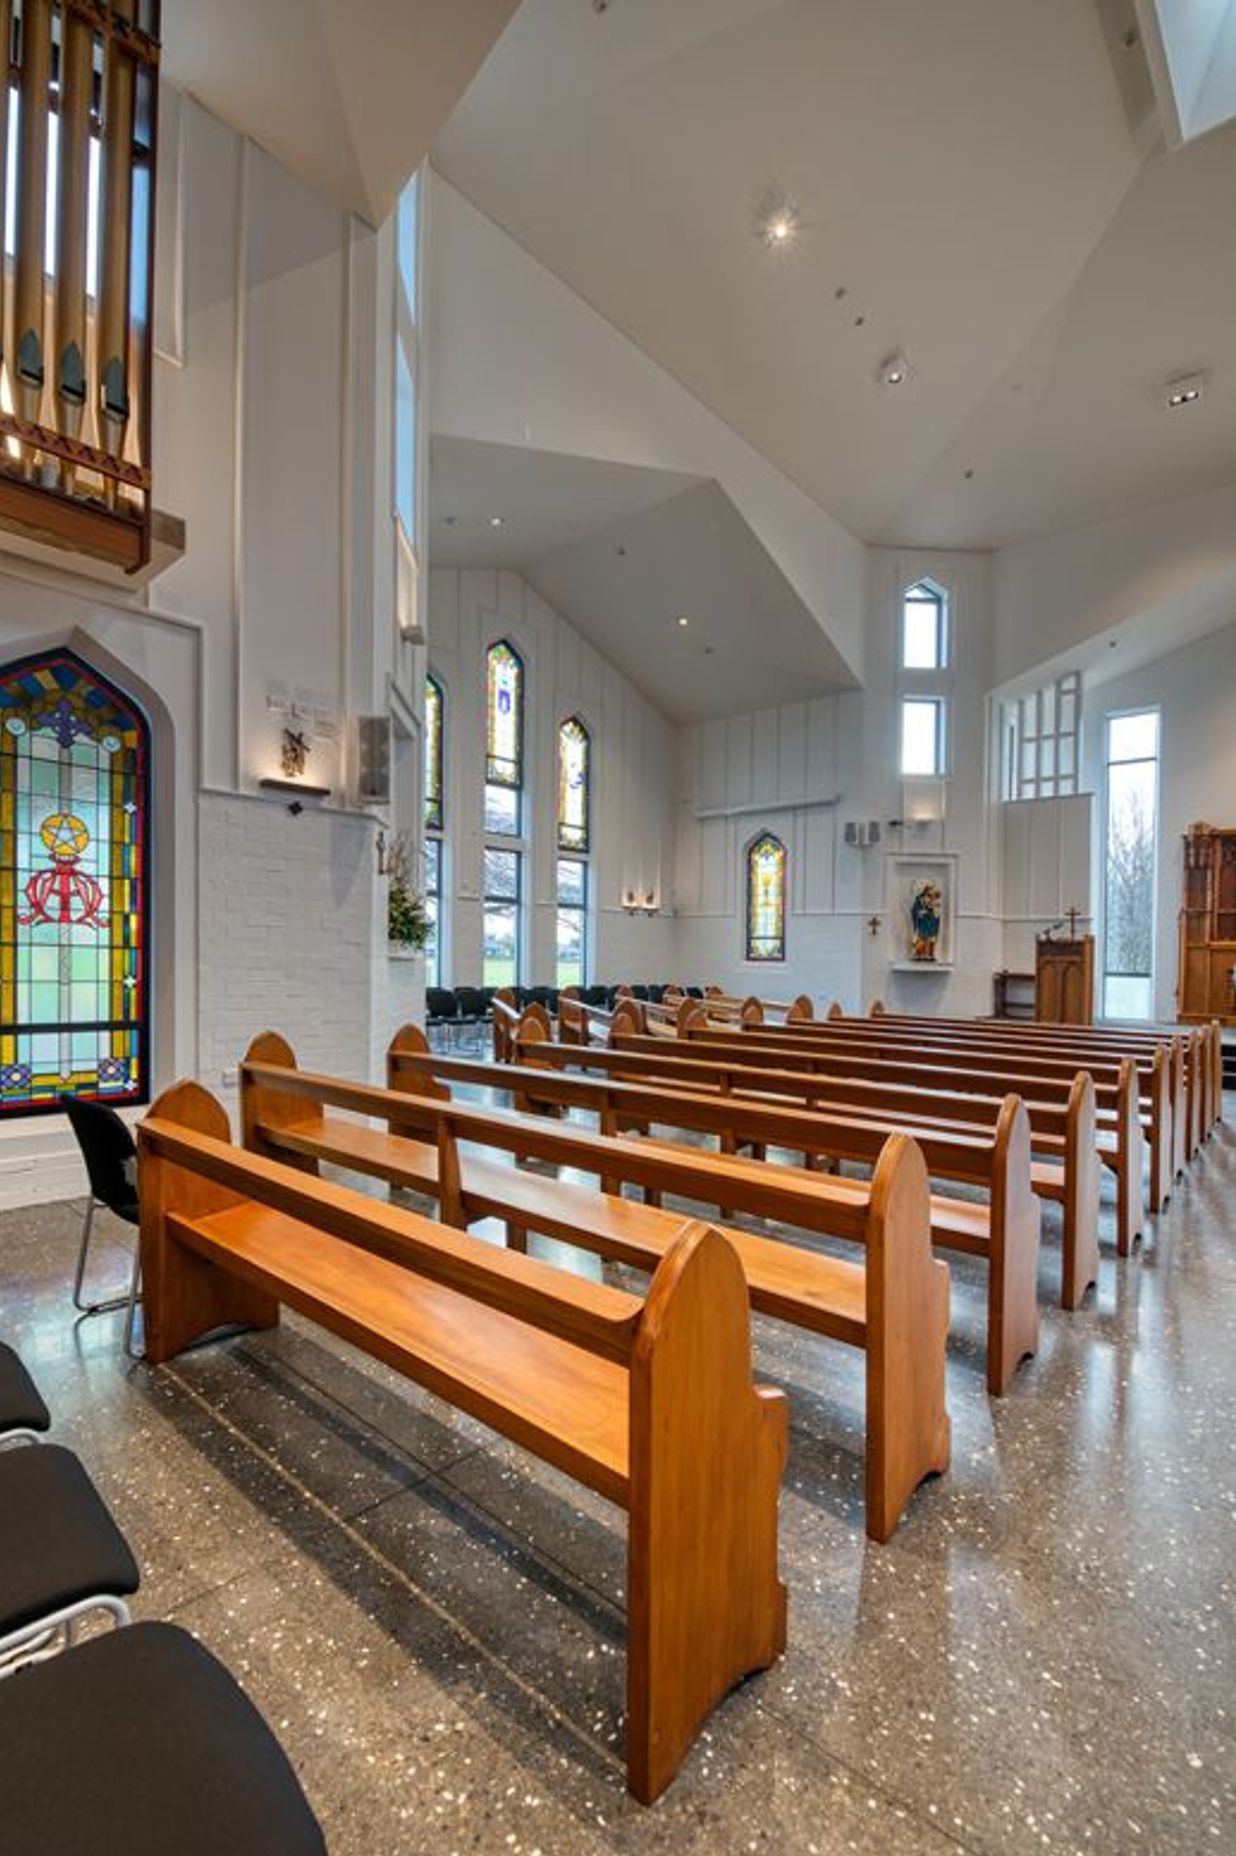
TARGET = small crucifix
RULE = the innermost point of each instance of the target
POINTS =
(873, 925)
(1074, 915)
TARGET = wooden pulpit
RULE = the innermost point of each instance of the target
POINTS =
(1064, 980)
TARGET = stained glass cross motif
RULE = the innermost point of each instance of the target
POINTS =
(574, 781)
(766, 885)
(504, 731)
(74, 880)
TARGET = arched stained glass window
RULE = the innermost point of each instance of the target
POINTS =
(574, 782)
(504, 734)
(766, 886)
(74, 886)
(435, 718)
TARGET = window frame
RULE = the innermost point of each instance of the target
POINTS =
(1155, 760)
(762, 839)
(583, 847)
(580, 909)
(515, 904)
(920, 699)
(926, 592)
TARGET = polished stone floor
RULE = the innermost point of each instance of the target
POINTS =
(1044, 1658)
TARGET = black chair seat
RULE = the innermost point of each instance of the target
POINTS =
(139, 1743)
(21, 1408)
(58, 1543)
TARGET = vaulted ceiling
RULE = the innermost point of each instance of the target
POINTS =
(348, 93)
(972, 185)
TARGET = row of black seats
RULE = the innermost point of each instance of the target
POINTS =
(473, 1005)
(136, 1742)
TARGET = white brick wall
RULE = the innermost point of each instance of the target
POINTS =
(287, 934)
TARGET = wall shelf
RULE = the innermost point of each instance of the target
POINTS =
(920, 966)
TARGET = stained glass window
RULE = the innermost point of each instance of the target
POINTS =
(435, 716)
(766, 871)
(504, 735)
(574, 779)
(74, 881)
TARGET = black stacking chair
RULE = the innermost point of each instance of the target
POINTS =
(471, 1002)
(24, 1418)
(656, 994)
(441, 1008)
(139, 1743)
(641, 993)
(110, 1154)
(62, 1558)
(695, 992)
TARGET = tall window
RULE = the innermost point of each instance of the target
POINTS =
(922, 736)
(924, 628)
(433, 909)
(435, 720)
(74, 877)
(574, 777)
(574, 844)
(504, 739)
(766, 889)
(408, 448)
(503, 882)
(504, 783)
(1130, 857)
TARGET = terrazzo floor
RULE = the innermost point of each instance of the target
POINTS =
(1043, 1658)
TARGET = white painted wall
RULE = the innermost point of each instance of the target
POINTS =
(1195, 692)
(633, 762)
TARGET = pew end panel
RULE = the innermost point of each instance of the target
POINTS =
(908, 1433)
(1161, 1082)
(263, 1105)
(708, 1448)
(410, 1040)
(1129, 1187)
(1016, 1220)
(1082, 1177)
(801, 1010)
(185, 1297)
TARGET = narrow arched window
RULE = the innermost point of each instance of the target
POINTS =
(574, 781)
(766, 888)
(74, 886)
(435, 722)
(504, 739)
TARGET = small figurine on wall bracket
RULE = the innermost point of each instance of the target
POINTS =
(294, 754)
(925, 917)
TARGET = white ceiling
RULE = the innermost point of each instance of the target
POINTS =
(622, 551)
(347, 93)
(965, 172)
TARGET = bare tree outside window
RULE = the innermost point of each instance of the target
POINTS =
(1130, 863)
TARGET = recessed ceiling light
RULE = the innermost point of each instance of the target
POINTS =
(682, 621)
(1185, 391)
(894, 369)
(449, 520)
(497, 521)
(777, 222)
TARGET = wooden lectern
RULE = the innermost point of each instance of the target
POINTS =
(1064, 980)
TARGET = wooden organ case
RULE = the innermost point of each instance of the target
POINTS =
(77, 279)
(1206, 983)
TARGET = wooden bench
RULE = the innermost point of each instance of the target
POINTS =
(1167, 1122)
(649, 1402)
(1122, 1098)
(895, 1310)
(1201, 1047)
(1003, 1232)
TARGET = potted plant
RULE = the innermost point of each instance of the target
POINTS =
(408, 926)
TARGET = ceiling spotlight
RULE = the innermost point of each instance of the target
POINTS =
(497, 521)
(682, 621)
(777, 222)
(1186, 391)
(893, 370)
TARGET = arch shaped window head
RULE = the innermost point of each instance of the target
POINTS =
(766, 898)
(504, 716)
(574, 785)
(74, 887)
(924, 627)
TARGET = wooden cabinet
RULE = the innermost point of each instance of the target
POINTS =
(1204, 986)
(1064, 980)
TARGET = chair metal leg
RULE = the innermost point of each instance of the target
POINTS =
(135, 1290)
(93, 1308)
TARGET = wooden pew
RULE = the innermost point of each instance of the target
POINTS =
(1121, 1145)
(895, 1310)
(1004, 1232)
(1200, 1045)
(649, 1402)
(991, 1150)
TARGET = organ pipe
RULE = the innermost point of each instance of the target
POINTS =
(76, 345)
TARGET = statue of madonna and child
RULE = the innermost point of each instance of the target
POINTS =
(925, 920)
